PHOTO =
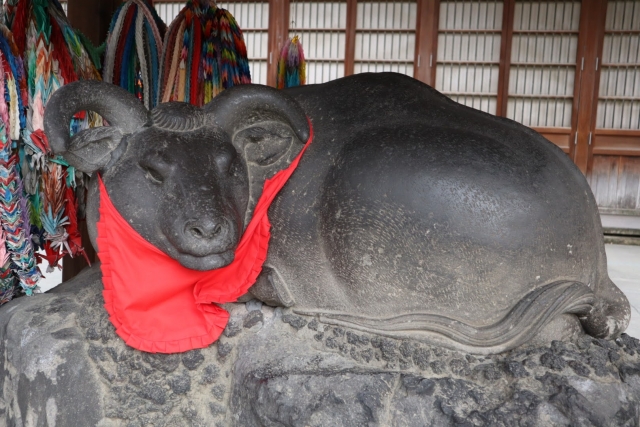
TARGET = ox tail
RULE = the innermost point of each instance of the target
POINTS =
(520, 325)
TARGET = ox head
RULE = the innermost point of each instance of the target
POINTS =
(185, 178)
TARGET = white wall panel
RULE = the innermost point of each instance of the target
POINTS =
(543, 63)
(619, 94)
(321, 27)
(468, 58)
(385, 36)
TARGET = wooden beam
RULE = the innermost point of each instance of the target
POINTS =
(424, 68)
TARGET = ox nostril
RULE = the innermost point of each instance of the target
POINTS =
(204, 229)
(197, 232)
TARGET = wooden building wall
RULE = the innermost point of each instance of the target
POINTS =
(569, 69)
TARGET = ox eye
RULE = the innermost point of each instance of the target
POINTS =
(152, 174)
(155, 176)
(234, 167)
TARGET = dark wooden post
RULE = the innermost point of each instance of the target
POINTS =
(279, 11)
(505, 57)
(426, 41)
(592, 22)
(350, 39)
(92, 18)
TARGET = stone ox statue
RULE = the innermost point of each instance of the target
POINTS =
(409, 216)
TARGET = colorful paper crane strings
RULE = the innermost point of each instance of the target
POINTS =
(38, 205)
(134, 48)
(17, 260)
(204, 53)
(292, 67)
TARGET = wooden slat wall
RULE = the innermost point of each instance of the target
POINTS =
(619, 94)
(570, 69)
(321, 26)
(615, 181)
(614, 168)
(253, 18)
(385, 36)
(542, 67)
(469, 46)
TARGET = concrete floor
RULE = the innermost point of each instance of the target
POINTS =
(624, 270)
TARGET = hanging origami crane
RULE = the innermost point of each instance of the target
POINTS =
(292, 66)
(55, 54)
(17, 260)
(134, 47)
(204, 53)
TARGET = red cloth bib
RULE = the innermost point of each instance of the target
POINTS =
(159, 306)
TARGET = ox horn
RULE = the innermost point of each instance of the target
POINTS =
(244, 105)
(120, 109)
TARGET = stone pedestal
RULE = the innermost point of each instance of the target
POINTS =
(63, 365)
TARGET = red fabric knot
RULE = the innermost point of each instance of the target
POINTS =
(159, 306)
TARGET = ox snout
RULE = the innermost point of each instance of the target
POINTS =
(216, 234)
(204, 242)
(208, 235)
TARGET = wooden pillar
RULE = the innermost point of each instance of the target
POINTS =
(350, 48)
(92, 17)
(600, 11)
(426, 41)
(279, 11)
(505, 57)
(592, 24)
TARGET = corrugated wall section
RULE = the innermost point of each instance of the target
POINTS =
(321, 27)
(469, 52)
(385, 37)
(543, 63)
(619, 95)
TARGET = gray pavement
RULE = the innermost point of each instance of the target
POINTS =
(624, 270)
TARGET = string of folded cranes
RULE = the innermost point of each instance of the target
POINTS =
(200, 54)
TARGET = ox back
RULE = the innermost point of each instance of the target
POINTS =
(413, 215)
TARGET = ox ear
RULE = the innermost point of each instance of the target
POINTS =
(264, 123)
(92, 149)
(268, 128)
(267, 147)
(270, 144)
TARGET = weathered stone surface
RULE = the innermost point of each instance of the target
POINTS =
(63, 365)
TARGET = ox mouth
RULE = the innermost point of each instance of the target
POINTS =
(206, 262)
